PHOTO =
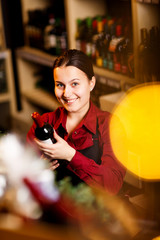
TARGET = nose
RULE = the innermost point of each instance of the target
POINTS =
(67, 92)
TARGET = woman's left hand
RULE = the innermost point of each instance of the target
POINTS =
(59, 150)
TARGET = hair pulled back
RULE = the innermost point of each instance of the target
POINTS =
(75, 58)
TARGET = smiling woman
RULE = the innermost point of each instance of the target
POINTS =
(81, 129)
(73, 90)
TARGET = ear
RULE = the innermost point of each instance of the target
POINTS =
(92, 83)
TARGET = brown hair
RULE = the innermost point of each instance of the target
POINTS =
(76, 58)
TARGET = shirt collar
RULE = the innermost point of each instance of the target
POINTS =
(89, 121)
(61, 118)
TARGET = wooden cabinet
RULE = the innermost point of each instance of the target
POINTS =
(7, 93)
(29, 60)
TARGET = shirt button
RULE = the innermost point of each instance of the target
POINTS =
(75, 132)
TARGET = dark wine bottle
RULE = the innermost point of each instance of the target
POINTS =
(143, 56)
(44, 131)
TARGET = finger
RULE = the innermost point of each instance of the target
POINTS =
(37, 141)
(48, 153)
(53, 167)
(45, 157)
(56, 136)
(53, 162)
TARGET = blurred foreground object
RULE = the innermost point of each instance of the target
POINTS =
(135, 131)
(34, 206)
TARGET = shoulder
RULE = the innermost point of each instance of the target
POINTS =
(102, 116)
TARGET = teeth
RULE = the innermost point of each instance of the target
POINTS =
(69, 101)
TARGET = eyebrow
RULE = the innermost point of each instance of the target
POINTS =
(72, 80)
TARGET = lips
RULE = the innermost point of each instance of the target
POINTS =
(70, 100)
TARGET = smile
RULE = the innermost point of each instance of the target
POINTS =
(70, 100)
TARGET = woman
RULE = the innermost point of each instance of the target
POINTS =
(81, 129)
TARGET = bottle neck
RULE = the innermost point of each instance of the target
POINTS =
(119, 31)
(37, 119)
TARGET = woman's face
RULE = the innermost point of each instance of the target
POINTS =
(72, 88)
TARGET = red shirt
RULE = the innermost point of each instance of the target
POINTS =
(110, 172)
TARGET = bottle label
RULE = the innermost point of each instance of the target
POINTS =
(89, 49)
(99, 62)
(114, 42)
(117, 67)
(46, 42)
(52, 40)
(63, 42)
(105, 62)
(48, 141)
(124, 69)
(93, 51)
(110, 65)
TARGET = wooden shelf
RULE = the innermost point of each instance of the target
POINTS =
(113, 75)
(40, 57)
(41, 98)
(36, 56)
(4, 97)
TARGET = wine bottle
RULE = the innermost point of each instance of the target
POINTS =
(118, 41)
(44, 131)
(143, 56)
(99, 42)
(110, 56)
(50, 38)
(106, 41)
(89, 36)
(78, 34)
(154, 53)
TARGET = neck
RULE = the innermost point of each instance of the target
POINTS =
(74, 119)
(78, 115)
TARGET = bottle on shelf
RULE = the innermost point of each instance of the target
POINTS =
(44, 131)
(89, 36)
(118, 43)
(110, 54)
(58, 35)
(99, 43)
(154, 53)
(125, 50)
(143, 56)
(78, 34)
(106, 41)
(63, 36)
(94, 39)
(50, 40)
(83, 31)
(34, 28)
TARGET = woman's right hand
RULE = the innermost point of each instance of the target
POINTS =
(53, 164)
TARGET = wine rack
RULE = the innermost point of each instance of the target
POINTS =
(29, 60)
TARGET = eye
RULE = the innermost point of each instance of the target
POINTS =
(74, 84)
(59, 85)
